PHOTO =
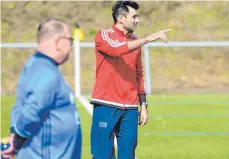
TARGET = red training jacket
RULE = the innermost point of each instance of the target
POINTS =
(119, 72)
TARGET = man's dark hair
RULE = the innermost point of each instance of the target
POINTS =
(121, 7)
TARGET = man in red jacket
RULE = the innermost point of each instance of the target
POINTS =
(119, 86)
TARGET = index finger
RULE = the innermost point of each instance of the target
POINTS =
(167, 30)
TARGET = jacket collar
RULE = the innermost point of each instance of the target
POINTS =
(119, 31)
(41, 55)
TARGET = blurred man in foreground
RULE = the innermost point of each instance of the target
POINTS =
(45, 123)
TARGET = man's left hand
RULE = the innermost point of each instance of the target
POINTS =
(9, 153)
(143, 115)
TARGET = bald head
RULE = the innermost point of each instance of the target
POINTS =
(49, 28)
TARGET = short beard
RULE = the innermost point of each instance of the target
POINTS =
(130, 30)
(65, 59)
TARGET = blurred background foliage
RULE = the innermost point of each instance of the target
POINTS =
(172, 69)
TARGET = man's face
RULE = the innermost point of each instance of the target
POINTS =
(65, 45)
(131, 20)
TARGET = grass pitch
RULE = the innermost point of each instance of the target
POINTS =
(179, 127)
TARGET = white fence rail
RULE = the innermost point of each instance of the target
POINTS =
(145, 50)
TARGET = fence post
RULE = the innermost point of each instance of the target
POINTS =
(77, 66)
(147, 69)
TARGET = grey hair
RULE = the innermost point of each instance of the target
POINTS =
(50, 27)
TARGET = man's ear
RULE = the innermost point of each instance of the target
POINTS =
(57, 43)
(121, 18)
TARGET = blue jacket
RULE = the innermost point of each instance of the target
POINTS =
(45, 112)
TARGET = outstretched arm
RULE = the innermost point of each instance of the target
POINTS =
(105, 44)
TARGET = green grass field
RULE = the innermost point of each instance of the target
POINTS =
(179, 127)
